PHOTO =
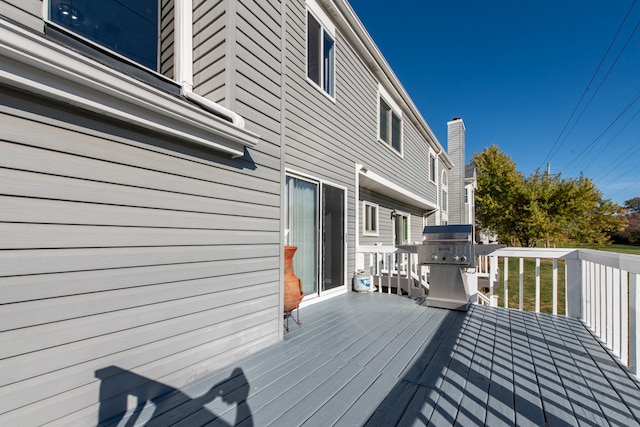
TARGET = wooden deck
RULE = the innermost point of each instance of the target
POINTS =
(376, 359)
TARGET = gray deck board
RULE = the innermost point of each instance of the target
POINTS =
(377, 359)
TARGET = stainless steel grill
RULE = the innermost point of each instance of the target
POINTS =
(447, 245)
(448, 250)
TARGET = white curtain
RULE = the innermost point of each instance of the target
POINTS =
(302, 219)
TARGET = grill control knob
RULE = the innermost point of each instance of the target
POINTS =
(434, 257)
(463, 258)
(456, 258)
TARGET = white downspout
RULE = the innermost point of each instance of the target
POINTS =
(183, 63)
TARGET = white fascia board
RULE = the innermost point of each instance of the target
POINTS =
(31, 63)
(379, 184)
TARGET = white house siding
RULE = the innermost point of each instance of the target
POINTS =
(123, 248)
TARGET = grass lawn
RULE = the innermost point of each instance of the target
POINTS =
(529, 287)
(546, 291)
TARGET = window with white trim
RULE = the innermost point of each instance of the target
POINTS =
(320, 55)
(129, 29)
(432, 168)
(402, 229)
(389, 123)
(370, 219)
(445, 192)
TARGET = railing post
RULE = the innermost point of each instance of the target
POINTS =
(506, 282)
(493, 271)
(634, 323)
(554, 284)
(537, 285)
(573, 287)
(521, 284)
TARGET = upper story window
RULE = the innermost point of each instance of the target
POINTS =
(131, 29)
(389, 122)
(320, 50)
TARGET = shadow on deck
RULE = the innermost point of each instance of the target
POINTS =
(376, 359)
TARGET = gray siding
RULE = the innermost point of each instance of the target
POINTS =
(125, 249)
(26, 12)
(209, 49)
(385, 223)
(456, 152)
(326, 138)
(167, 13)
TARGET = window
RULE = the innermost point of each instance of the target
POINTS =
(432, 168)
(445, 195)
(402, 229)
(390, 125)
(320, 55)
(370, 219)
(466, 195)
(130, 29)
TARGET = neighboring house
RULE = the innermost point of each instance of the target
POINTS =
(149, 184)
(470, 185)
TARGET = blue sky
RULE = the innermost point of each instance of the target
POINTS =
(522, 75)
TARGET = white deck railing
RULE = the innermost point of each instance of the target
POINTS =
(392, 267)
(600, 288)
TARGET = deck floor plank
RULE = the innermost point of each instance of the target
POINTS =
(584, 403)
(528, 404)
(500, 406)
(473, 407)
(378, 359)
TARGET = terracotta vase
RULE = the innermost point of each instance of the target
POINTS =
(292, 284)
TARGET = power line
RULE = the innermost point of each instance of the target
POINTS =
(625, 158)
(558, 143)
(589, 147)
(597, 156)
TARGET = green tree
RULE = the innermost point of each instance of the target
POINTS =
(633, 205)
(499, 186)
(541, 207)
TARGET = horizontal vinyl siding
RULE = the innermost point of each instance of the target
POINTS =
(386, 205)
(124, 249)
(209, 49)
(326, 138)
(167, 13)
(26, 12)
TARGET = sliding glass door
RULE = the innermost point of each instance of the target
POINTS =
(315, 223)
(302, 230)
(333, 236)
